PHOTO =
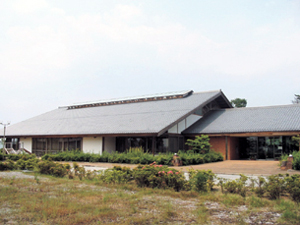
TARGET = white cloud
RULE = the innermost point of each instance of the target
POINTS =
(82, 38)
(29, 6)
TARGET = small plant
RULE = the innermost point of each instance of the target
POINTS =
(221, 183)
(260, 189)
(36, 178)
(78, 171)
(12, 180)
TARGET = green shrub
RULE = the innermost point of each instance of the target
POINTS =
(45, 166)
(275, 186)
(52, 168)
(24, 156)
(296, 161)
(159, 176)
(293, 187)
(135, 156)
(201, 180)
(118, 175)
(237, 186)
(58, 170)
(30, 164)
(21, 164)
(7, 165)
(79, 171)
(200, 144)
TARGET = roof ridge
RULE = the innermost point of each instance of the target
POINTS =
(262, 107)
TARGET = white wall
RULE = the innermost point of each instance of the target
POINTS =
(191, 119)
(92, 145)
(110, 144)
(27, 143)
(183, 124)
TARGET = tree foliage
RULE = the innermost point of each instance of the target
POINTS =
(239, 102)
(200, 144)
(296, 140)
(296, 99)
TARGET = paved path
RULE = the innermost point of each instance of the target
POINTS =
(229, 167)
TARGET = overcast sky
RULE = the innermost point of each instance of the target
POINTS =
(55, 53)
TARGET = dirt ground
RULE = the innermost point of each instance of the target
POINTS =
(247, 167)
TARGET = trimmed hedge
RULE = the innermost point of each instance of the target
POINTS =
(135, 157)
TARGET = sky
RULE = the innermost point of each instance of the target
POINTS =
(55, 53)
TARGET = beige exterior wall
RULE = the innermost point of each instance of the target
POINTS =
(26, 143)
(92, 145)
(110, 144)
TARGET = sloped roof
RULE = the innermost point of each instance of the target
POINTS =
(131, 118)
(253, 119)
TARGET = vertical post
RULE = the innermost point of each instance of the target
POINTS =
(153, 145)
(103, 145)
(3, 141)
(226, 140)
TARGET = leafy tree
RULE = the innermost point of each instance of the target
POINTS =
(296, 140)
(239, 102)
(200, 144)
(296, 99)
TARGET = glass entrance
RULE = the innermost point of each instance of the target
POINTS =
(264, 147)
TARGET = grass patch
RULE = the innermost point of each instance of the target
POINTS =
(63, 201)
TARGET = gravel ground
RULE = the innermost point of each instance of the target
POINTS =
(16, 175)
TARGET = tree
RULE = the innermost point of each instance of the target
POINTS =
(296, 140)
(296, 99)
(200, 144)
(239, 102)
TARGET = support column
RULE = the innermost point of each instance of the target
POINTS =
(226, 141)
(153, 145)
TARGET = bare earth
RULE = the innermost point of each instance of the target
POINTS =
(247, 167)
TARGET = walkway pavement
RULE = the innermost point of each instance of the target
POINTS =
(230, 167)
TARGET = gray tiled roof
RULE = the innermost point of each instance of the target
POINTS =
(131, 118)
(255, 119)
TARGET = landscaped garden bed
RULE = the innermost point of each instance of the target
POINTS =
(136, 157)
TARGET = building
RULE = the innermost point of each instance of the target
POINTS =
(161, 123)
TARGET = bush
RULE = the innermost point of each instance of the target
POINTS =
(159, 176)
(51, 168)
(236, 186)
(293, 187)
(275, 186)
(136, 156)
(200, 144)
(7, 165)
(21, 164)
(24, 156)
(201, 180)
(117, 175)
(296, 161)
